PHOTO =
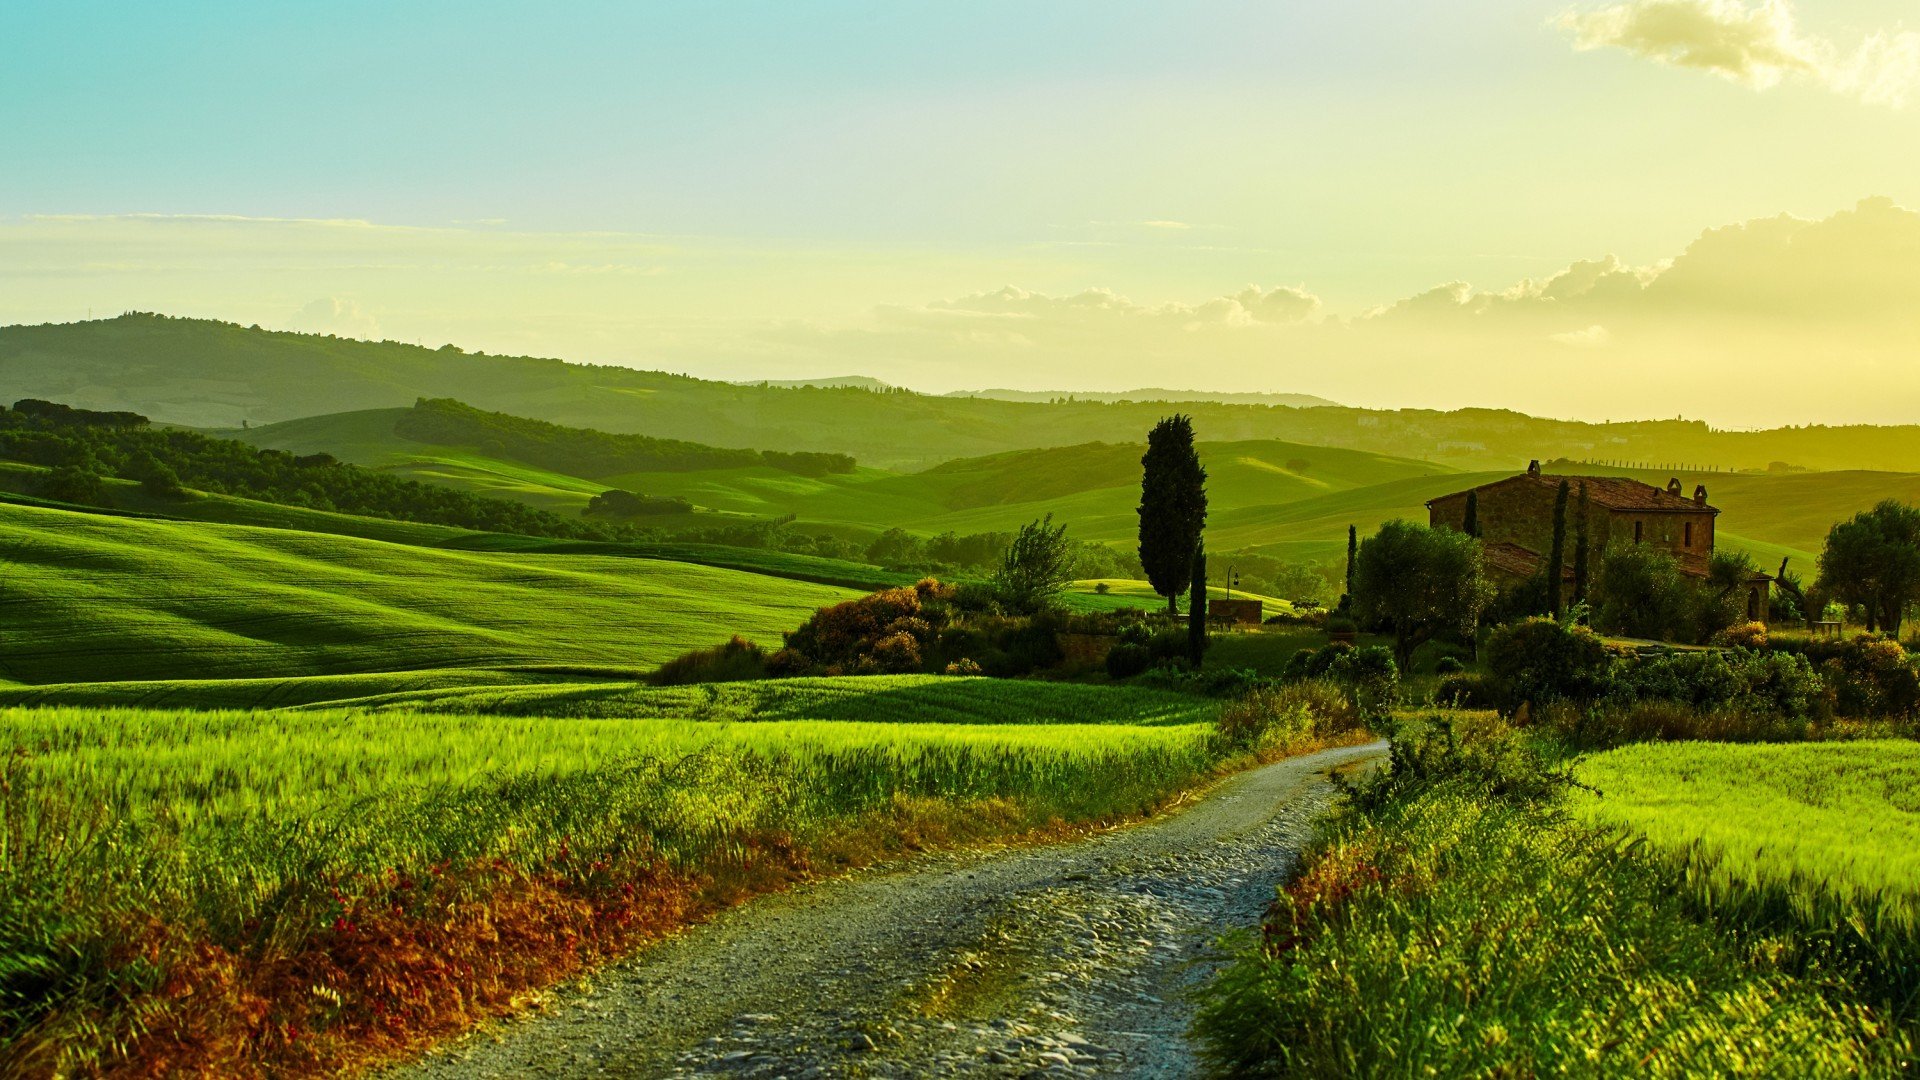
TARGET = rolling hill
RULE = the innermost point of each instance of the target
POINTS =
(1287, 500)
(91, 596)
(213, 374)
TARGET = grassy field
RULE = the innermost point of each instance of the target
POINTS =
(1820, 838)
(293, 893)
(1455, 933)
(92, 596)
(900, 699)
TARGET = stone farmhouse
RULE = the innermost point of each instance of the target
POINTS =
(1515, 524)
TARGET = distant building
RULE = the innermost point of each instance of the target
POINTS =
(1515, 519)
(1247, 612)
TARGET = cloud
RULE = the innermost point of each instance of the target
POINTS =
(1756, 46)
(1592, 337)
(336, 316)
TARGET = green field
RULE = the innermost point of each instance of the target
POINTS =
(94, 596)
(382, 856)
(1819, 838)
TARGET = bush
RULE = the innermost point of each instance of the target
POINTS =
(1466, 690)
(963, 666)
(1874, 677)
(735, 661)
(1126, 659)
(74, 484)
(1288, 718)
(1541, 660)
(1448, 665)
(1751, 635)
(1211, 682)
(1613, 723)
(1778, 683)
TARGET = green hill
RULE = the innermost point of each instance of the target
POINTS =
(213, 374)
(91, 595)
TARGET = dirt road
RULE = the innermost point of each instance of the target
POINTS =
(1067, 959)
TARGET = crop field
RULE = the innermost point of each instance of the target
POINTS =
(1820, 836)
(892, 699)
(315, 889)
(94, 596)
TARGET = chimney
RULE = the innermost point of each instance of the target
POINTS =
(1533, 467)
(1673, 486)
(1700, 495)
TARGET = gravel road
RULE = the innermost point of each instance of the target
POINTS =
(1064, 959)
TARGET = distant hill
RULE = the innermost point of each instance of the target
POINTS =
(213, 374)
(857, 382)
(1296, 401)
(1287, 500)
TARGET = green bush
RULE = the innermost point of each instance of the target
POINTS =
(1466, 690)
(734, 661)
(1541, 660)
(1126, 659)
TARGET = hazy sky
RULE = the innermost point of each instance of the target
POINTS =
(1212, 195)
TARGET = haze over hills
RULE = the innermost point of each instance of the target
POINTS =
(213, 374)
(1226, 397)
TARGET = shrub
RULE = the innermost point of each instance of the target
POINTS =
(788, 664)
(975, 597)
(1126, 659)
(1466, 690)
(1541, 660)
(733, 661)
(1448, 665)
(1370, 679)
(1211, 682)
(963, 666)
(895, 654)
(1102, 588)
(1751, 635)
(1778, 683)
(1288, 718)
(1613, 723)
(1874, 677)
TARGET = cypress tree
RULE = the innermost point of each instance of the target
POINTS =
(1557, 561)
(1197, 608)
(1470, 524)
(1580, 553)
(1353, 552)
(1173, 507)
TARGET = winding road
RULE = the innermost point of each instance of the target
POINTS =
(1063, 959)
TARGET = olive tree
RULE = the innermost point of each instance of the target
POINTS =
(1419, 582)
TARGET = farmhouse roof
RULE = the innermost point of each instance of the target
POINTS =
(1612, 492)
(1510, 558)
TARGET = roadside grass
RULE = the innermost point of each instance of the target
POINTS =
(1818, 843)
(1470, 912)
(136, 599)
(300, 893)
(1454, 935)
(888, 699)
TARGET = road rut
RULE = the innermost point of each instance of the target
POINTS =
(1062, 959)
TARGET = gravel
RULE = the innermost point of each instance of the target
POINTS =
(1072, 959)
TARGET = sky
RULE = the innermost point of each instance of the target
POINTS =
(1601, 210)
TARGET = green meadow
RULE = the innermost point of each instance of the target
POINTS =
(96, 597)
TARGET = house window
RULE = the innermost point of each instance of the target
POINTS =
(1638, 528)
(1689, 540)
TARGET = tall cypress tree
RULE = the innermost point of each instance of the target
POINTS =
(1173, 507)
(1557, 560)
(1353, 552)
(1470, 523)
(1197, 607)
(1580, 552)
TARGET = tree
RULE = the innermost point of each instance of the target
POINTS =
(1038, 564)
(1557, 553)
(156, 477)
(1643, 594)
(1419, 582)
(1197, 608)
(1173, 507)
(1353, 547)
(1470, 523)
(1873, 560)
(79, 484)
(1581, 553)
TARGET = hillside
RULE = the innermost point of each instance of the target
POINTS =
(213, 374)
(1286, 500)
(93, 595)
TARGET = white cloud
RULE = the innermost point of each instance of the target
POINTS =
(1593, 337)
(337, 316)
(1757, 45)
